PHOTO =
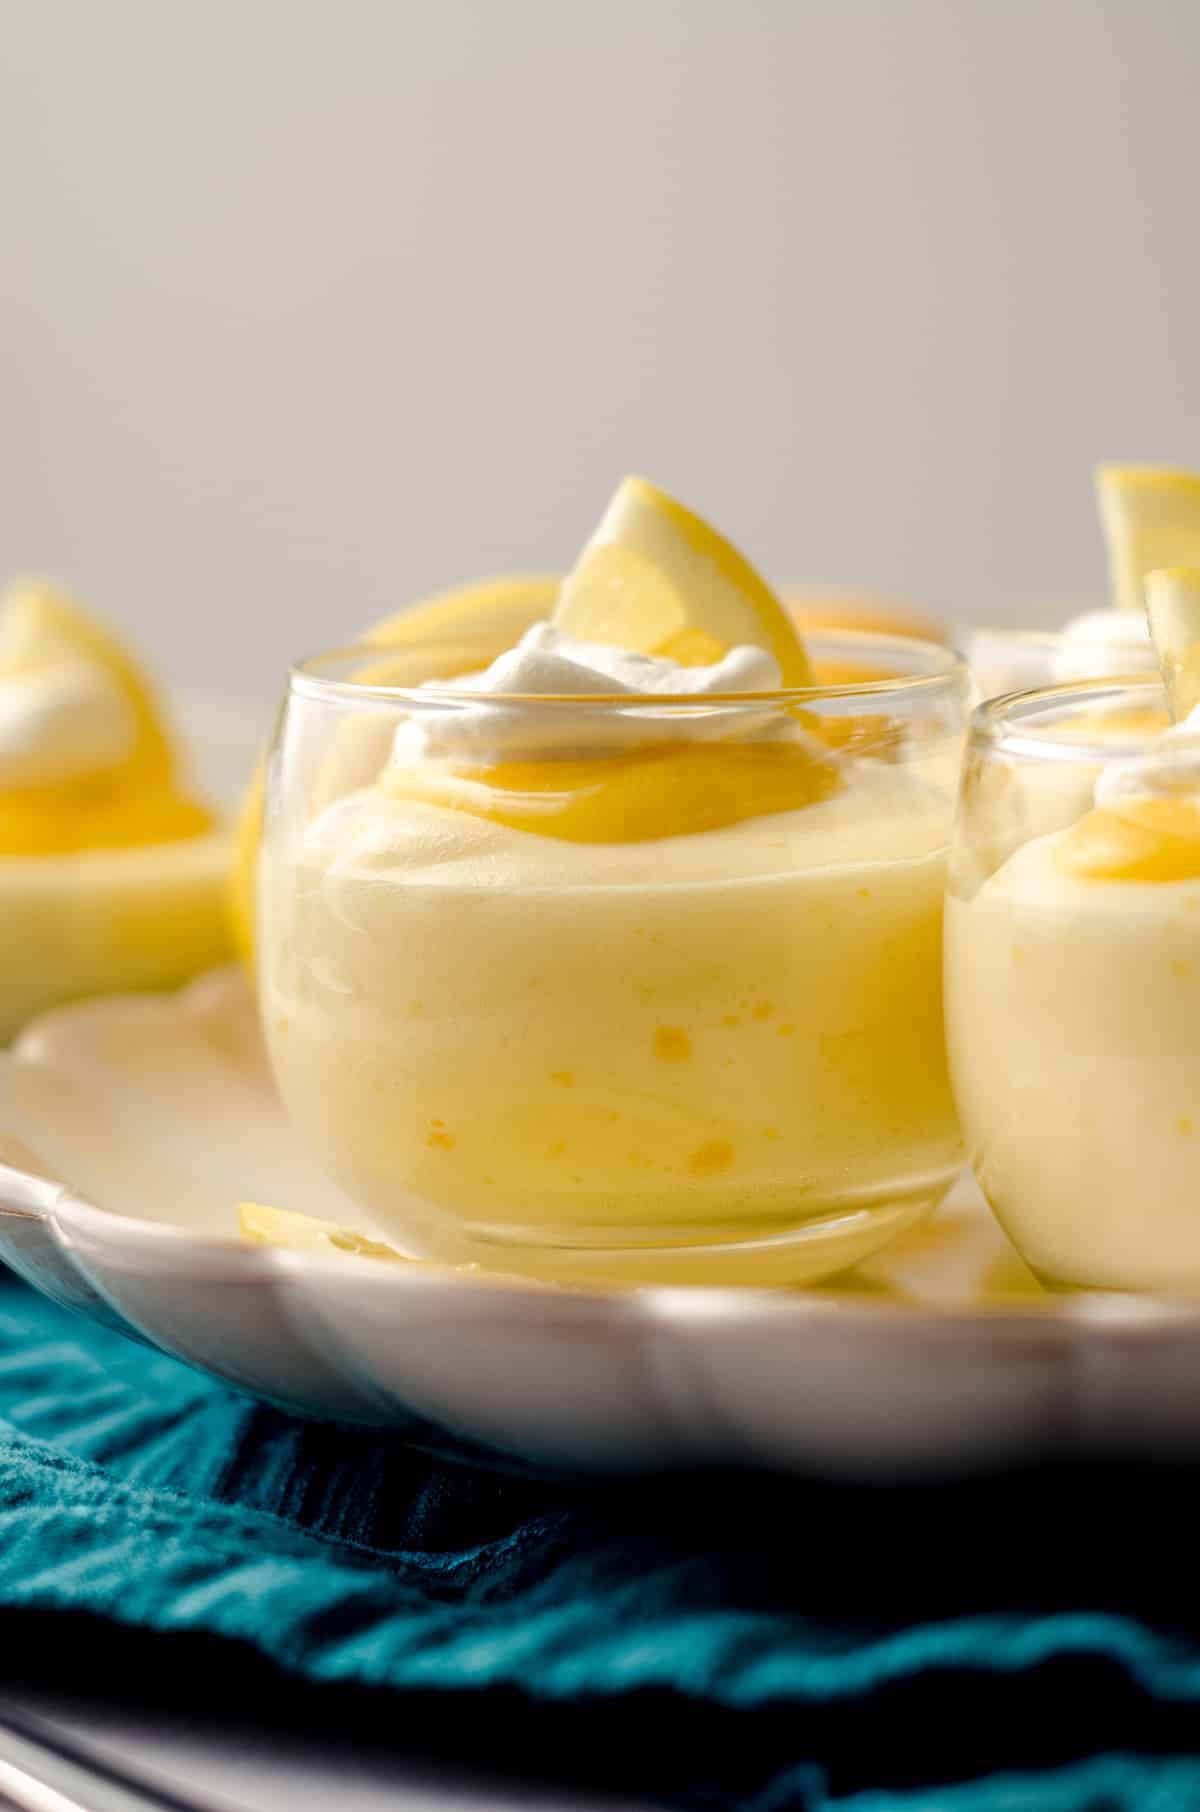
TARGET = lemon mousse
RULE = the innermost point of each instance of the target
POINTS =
(620, 967)
(1073, 1016)
(111, 873)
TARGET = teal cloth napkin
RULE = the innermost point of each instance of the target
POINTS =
(1029, 1644)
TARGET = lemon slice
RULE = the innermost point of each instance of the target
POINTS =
(657, 579)
(1173, 605)
(1151, 518)
(261, 1225)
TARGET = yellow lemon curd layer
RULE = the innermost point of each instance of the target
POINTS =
(1073, 1019)
(492, 1034)
(649, 794)
(1135, 840)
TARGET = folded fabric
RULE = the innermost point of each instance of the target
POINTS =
(1027, 1644)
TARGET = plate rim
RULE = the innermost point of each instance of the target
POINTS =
(27, 1195)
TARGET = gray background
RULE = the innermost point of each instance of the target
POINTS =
(311, 305)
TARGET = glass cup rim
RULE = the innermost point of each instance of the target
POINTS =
(944, 665)
(992, 724)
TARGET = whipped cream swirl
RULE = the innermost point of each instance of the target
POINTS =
(526, 703)
(1101, 644)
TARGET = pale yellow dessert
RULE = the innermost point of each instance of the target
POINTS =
(1073, 1020)
(1074, 1031)
(620, 980)
(111, 874)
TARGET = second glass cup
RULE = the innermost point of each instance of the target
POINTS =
(613, 988)
(1073, 983)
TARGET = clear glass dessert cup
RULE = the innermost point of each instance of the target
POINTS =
(1073, 992)
(660, 1001)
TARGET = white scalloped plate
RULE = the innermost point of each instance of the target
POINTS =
(132, 1126)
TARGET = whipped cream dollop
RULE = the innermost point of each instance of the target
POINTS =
(62, 722)
(526, 704)
(1172, 767)
(1103, 643)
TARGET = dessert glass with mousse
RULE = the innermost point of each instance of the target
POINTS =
(620, 959)
(1073, 984)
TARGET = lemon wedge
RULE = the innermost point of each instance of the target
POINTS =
(1151, 518)
(1173, 606)
(657, 579)
(260, 1225)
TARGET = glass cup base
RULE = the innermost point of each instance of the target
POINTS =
(805, 1252)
